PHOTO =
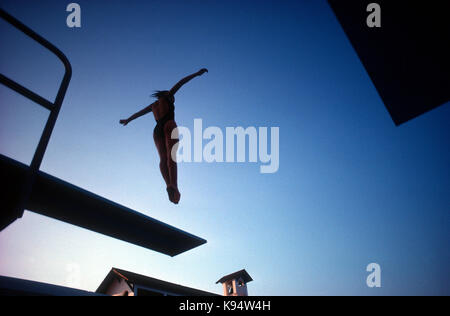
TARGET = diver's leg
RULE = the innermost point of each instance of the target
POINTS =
(160, 143)
(171, 163)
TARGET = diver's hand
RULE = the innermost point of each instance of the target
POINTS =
(202, 71)
(124, 122)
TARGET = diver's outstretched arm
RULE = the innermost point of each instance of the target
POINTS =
(148, 109)
(186, 80)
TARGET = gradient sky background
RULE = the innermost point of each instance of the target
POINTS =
(351, 189)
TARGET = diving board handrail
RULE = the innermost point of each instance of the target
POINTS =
(53, 107)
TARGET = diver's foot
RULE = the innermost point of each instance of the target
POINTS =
(174, 194)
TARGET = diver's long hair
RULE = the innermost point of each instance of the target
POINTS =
(160, 94)
(164, 94)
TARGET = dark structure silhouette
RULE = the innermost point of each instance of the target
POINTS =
(164, 112)
(19, 287)
(407, 58)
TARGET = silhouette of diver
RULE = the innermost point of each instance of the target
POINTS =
(164, 112)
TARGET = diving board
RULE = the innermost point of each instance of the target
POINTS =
(55, 198)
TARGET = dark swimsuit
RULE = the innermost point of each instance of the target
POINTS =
(170, 115)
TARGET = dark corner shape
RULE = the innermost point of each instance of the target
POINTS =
(407, 58)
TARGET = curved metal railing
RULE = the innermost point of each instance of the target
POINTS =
(53, 107)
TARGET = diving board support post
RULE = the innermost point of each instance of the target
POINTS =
(12, 214)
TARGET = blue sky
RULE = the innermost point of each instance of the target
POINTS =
(351, 189)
